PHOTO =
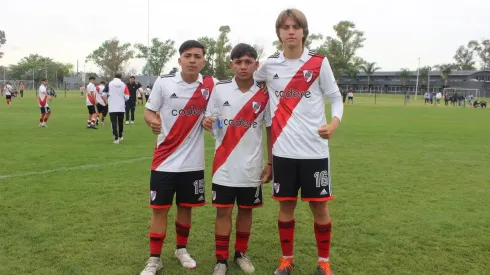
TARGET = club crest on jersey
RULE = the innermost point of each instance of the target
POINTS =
(276, 187)
(153, 195)
(214, 195)
(205, 93)
(308, 74)
(256, 106)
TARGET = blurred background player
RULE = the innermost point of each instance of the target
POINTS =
(117, 95)
(21, 89)
(82, 89)
(90, 102)
(238, 172)
(304, 79)
(178, 159)
(8, 93)
(42, 100)
(101, 103)
(131, 103)
(147, 93)
(140, 94)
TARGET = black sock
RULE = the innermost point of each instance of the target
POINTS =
(181, 246)
(222, 262)
(238, 254)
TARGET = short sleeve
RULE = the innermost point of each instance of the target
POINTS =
(260, 75)
(156, 99)
(213, 103)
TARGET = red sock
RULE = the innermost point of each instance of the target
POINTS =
(156, 244)
(41, 120)
(92, 121)
(322, 234)
(241, 241)
(286, 235)
(222, 244)
(45, 119)
(182, 234)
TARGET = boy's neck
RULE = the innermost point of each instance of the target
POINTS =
(244, 85)
(293, 53)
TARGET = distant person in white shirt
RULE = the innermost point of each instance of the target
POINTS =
(139, 94)
(426, 98)
(42, 100)
(350, 96)
(118, 94)
(90, 102)
(147, 93)
(8, 93)
(438, 98)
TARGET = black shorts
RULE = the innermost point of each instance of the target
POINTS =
(245, 197)
(140, 98)
(102, 109)
(91, 109)
(8, 96)
(188, 188)
(45, 110)
(147, 96)
(311, 175)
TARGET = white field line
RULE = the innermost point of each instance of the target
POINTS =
(80, 167)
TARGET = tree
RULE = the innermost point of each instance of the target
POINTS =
(210, 45)
(112, 56)
(160, 53)
(446, 70)
(341, 50)
(223, 49)
(174, 70)
(260, 51)
(40, 66)
(424, 74)
(369, 69)
(405, 75)
(483, 51)
(3, 40)
(464, 58)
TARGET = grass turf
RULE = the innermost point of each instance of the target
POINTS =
(411, 187)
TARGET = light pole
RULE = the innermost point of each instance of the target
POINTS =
(148, 46)
(428, 79)
(417, 84)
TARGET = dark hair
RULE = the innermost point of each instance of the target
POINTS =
(92, 77)
(118, 75)
(132, 77)
(102, 82)
(189, 44)
(44, 79)
(242, 50)
(148, 86)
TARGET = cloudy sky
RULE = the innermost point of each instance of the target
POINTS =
(397, 32)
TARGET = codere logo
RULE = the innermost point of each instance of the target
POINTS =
(293, 94)
(240, 123)
(192, 111)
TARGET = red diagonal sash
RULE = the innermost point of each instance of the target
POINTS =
(183, 125)
(298, 83)
(90, 98)
(234, 134)
(42, 102)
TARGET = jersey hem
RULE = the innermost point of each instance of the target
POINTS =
(241, 185)
(180, 170)
(301, 157)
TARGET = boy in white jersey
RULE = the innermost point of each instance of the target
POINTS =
(90, 102)
(8, 93)
(297, 81)
(42, 100)
(238, 172)
(147, 93)
(175, 111)
(101, 103)
(139, 94)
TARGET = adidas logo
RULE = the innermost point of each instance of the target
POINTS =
(174, 96)
(257, 200)
(324, 192)
(226, 103)
(201, 198)
(276, 77)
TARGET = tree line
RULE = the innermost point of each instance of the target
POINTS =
(341, 49)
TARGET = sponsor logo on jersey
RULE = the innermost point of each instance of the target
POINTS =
(293, 94)
(240, 123)
(192, 111)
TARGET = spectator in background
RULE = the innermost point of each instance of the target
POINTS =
(21, 89)
(131, 103)
(118, 95)
(350, 96)
(438, 98)
(344, 95)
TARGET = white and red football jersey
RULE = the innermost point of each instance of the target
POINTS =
(140, 92)
(91, 94)
(181, 106)
(8, 90)
(297, 89)
(42, 98)
(100, 96)
(238, 157)
(147, 91)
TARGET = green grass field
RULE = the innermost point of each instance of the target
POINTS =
(411, 185)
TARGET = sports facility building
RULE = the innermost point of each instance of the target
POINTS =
(390, 82)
